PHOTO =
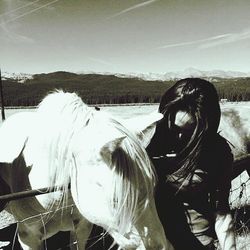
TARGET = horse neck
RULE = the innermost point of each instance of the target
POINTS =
(132, 176)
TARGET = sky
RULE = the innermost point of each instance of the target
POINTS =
(124, 36)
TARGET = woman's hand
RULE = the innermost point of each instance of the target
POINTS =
(224, 231)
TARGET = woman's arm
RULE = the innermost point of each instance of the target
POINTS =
(224, 231)
(223, 219)
(174, 221)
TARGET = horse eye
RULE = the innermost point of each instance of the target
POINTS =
(99, 184)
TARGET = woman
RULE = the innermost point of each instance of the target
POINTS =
(193, 163)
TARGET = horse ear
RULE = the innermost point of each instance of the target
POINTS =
(110, 147)
(144, 126)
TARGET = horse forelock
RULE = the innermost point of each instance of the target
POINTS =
(133, 180)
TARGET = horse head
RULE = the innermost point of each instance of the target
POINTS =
(112, 182)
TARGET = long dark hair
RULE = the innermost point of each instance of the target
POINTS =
(199, 98)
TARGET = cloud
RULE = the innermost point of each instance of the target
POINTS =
(143, 4)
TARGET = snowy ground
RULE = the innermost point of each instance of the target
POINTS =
(132, 111)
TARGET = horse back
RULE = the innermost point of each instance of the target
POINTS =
(235, 127)
(13, 135)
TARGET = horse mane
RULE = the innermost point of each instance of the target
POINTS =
(133, 179)
(62, 116)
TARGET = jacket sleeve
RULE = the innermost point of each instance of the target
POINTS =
(223, 176)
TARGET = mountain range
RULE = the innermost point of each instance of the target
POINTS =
(107, 88)
(189, 72)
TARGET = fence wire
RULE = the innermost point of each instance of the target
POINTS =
(239, 201)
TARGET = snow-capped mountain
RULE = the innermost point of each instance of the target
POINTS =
(190, 72)
(19, 77)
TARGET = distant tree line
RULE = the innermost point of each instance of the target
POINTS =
(237, 89)
(108, 89)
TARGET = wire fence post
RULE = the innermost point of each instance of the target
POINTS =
(1, 93)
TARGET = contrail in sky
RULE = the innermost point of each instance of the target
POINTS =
(29, 12)
(19, 8)
(101, 61)
(133, 8)
(212, 41)
(234, 37)
(13, 36)
(173, 45)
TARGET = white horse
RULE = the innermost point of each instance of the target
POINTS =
(235, 127)
(112, 180)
